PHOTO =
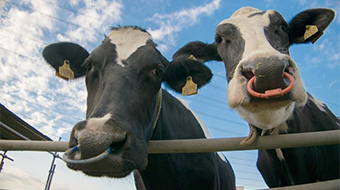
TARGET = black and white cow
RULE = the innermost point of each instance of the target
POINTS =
(126, 107)
(266, 89)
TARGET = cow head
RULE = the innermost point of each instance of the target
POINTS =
(264, 81)
(123, 80)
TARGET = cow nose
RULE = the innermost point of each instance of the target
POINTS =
(269, 73)
(91, 142)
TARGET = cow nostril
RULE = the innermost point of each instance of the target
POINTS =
(289, 70)
(115, 146)
(248, 74)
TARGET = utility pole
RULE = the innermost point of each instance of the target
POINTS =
(52, 169)
(4, 156)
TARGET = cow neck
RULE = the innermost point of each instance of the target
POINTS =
(287, 174)
(158, 108)
(156, 114)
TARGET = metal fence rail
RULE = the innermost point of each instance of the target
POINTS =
(199, 145)
(321, 185)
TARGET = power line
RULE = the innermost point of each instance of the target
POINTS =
(222, 119)
(36, 40)
(13, 52)
(219, 75)
(63, 8)
(27, 22)
(212, 99)
(215, 106)
(229, 156)
(5, 36)
(49, 109)
(224, 130)
(246, 172)
(56, 18)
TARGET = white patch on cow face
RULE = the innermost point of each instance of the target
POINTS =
(265, 115)
(127, 41)
(95, 124)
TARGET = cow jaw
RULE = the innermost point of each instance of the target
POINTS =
(266, 115)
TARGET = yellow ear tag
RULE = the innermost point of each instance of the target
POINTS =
(190, 88)
(192, 57)
(310, 31)
(65, 71)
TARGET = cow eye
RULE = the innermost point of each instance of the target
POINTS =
(87, 64)
(158, 71)
(218, 39)
(284, 27)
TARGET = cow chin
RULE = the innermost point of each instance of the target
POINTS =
(110, 167)
(262, 113)
(117, 164)
(266, 114)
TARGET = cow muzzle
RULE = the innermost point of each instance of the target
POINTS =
(269, 77)
(99, 152)
(93, 147)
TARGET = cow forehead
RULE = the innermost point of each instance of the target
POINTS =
(251, 23)
(127, 41)
(248, 17)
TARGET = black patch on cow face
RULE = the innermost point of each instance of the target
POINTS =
(230, 46)
(149, 65)
(276, 33)
(254, 14)
(101, 59)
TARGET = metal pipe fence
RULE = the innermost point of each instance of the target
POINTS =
(210, 145)
(198, 145)
(324, 185)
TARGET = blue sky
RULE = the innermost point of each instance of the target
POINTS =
(29, 88)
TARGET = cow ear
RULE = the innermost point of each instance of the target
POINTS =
(308, 26)
(201, 51)
(66, 58)
(179, 71)
(187, 66)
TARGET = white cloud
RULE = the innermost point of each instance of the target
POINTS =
(335, 57)
(2, 4)
(92, 20)
(15, 177)
(333, 83)
(169, 24)
(301, 2)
